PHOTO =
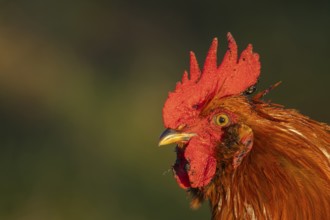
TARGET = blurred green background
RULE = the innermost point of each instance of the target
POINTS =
(82, 84)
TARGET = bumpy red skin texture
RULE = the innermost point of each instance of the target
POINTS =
(199, 152)
(199, 156)
(202, 163)
(185, 105)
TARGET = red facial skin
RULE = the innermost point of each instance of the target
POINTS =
(196, 162)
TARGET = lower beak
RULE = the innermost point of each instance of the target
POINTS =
(170, 136)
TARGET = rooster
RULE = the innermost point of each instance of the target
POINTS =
(249, 158)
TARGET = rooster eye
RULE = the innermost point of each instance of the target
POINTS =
(221, 120)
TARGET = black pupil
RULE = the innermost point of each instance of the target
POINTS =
(222, 120)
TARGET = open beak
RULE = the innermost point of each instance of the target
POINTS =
(170, 136)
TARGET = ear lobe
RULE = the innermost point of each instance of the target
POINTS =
(244, 144)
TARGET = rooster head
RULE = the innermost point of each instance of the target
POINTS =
(202, 129)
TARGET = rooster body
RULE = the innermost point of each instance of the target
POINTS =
(249, 158)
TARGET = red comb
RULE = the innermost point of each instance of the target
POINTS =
(232, 77)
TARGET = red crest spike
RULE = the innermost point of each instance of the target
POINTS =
(195, 72)
(232, 77)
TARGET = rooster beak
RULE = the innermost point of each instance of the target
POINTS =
(170, 136)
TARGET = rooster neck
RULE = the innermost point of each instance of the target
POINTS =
(224, 197)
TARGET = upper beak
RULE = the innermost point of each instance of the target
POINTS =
(170, 136)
